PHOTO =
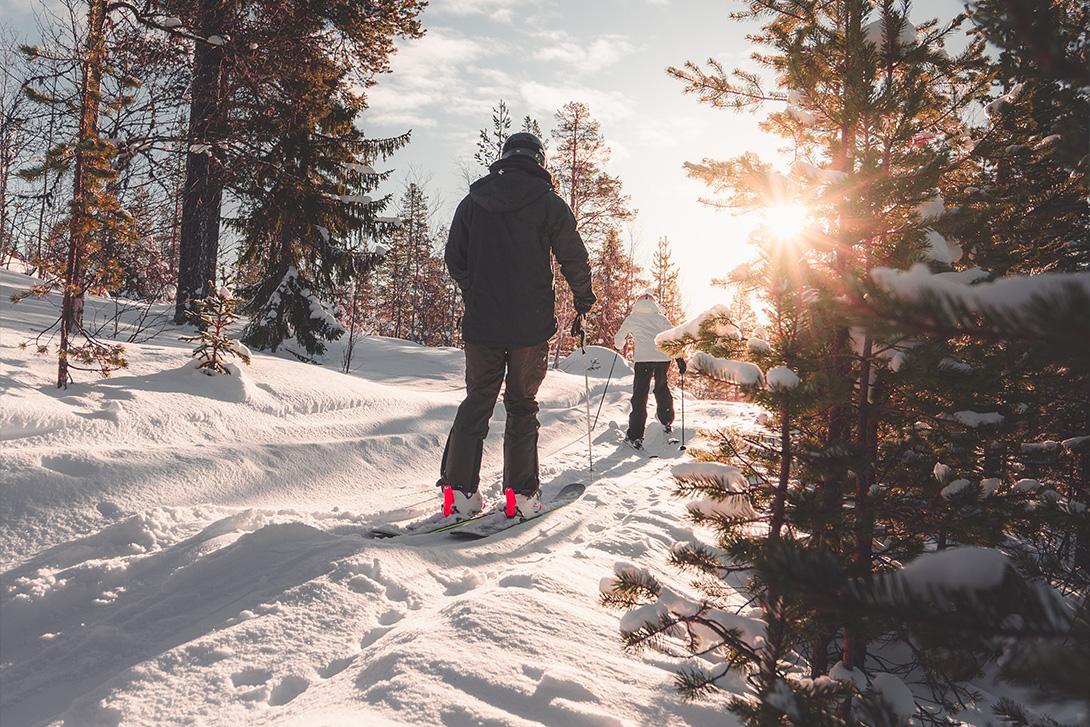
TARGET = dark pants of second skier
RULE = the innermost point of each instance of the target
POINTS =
(641, 386)
(485, 371)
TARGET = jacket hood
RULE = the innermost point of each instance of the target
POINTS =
(511, 184)
(645, 306)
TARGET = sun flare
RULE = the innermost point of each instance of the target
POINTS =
(785, 221)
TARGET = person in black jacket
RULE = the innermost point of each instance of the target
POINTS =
(502, 239)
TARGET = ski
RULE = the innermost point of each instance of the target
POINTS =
(641, 450)
(433, 525)
(427, 526)
(497, 521)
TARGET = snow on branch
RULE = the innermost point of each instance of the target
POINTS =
(782, 378)
(711, 325)
(932, 209)
(1052, 309)
(1010, 97)
(724, 489)
(730, 478)
(1014, 294)
(742, 373)
(964, 568)
(364, 169)
(351, 198)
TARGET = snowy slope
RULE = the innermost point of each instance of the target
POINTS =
(180, 549)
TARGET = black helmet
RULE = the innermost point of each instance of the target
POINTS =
(524, 143)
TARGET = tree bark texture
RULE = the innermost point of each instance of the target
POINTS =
(202, 193)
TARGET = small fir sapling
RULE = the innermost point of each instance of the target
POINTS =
(214, 315)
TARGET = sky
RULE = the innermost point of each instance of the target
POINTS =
(612, 55)
(609, 54)
(537, 55)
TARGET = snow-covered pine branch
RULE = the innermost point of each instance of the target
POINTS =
(1051, 310)
(713, 326)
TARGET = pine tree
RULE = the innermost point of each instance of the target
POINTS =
(594, 196)
(308, 215)
(405, 278)
(490, 143)
(214, 315)
(303, 240)
(440, 303)
(1019, 357)
(664, 281)
(531, 126)
(848, 473)
(615, 276)
(94, 214)
(243, 51)
(1022, 206)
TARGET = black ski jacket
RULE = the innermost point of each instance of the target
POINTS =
(499, 254)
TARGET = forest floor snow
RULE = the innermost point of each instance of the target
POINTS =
(192, 550)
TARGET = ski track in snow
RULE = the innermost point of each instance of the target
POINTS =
(179, 549)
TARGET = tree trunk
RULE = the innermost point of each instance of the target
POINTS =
(6, 155)
(82, 185)
(202, 193)
(779, 501)
(854, 647)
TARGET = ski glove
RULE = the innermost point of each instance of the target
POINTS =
(583, 304)
(577, 326)
(681, 365)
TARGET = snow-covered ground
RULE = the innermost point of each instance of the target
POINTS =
(179, 549)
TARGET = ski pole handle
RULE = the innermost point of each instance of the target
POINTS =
(578, 331)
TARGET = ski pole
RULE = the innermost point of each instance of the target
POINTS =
(682, 447)
(586, 384)
(603, 399)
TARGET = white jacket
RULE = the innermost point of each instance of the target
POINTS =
(644, 323)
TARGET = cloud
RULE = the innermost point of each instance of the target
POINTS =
(500, 11)
(440, 50)
(603, 52)
(669, 132)
(431, 75)
(544, 99)
(20, 17)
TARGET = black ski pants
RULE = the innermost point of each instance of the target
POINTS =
(487, 368)
(664, 401)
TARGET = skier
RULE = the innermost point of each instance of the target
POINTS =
(644, 323)
(499, 251)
